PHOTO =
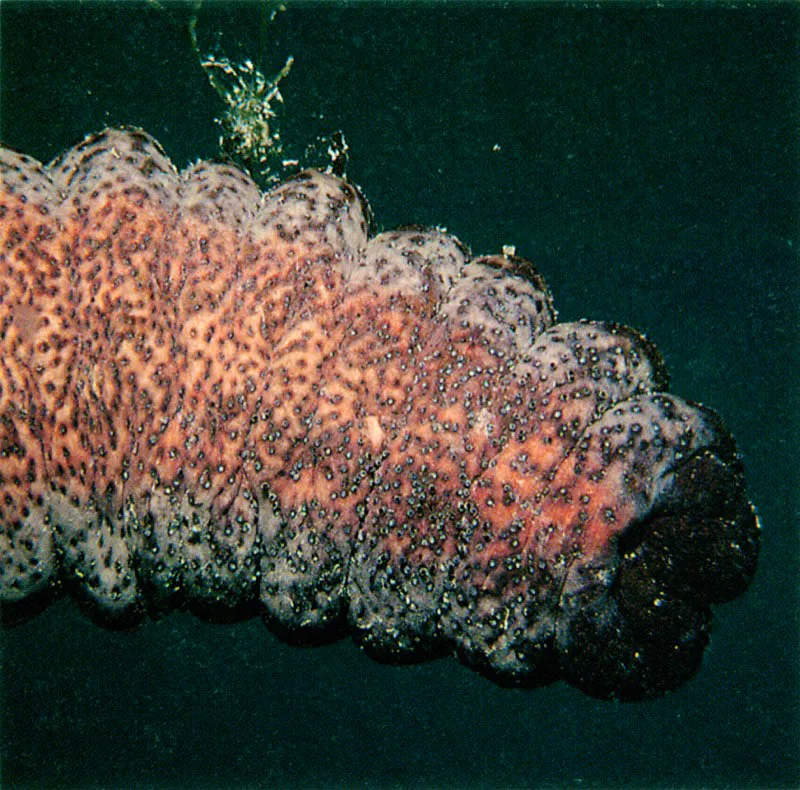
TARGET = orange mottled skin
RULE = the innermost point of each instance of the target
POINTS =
(209, 395)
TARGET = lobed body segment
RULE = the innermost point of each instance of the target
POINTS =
(213, 396)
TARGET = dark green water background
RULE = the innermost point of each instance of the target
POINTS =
(647, 163)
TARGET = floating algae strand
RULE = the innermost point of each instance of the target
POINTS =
(250, 136)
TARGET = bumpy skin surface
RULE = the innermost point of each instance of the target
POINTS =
(213, 396)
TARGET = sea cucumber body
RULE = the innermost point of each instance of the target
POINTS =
(215, 396)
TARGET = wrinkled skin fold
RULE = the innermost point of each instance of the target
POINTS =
(220, 398)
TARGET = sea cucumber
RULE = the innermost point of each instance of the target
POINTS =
(210, 396)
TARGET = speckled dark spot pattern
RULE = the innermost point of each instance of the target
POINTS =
(217, 398)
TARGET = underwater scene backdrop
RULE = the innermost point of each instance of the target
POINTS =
(645, 160)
